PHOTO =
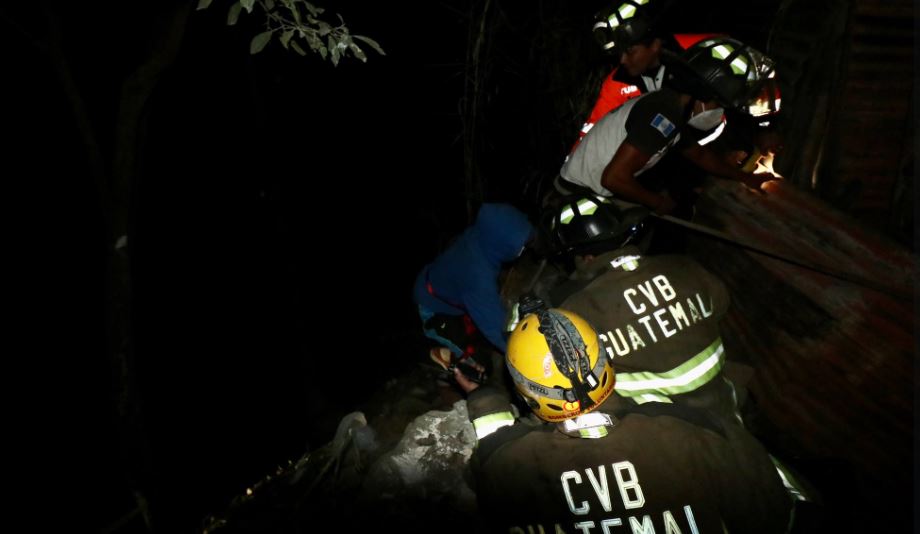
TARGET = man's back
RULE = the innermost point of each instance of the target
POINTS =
(650, 473)
(652, 123)
(659, 324)
(667, 305)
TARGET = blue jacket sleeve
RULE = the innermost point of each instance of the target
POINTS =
(485, 307)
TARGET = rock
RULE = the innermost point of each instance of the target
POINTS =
(421, 484)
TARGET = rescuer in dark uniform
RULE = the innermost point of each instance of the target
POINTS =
(601, 461)
(657, 316)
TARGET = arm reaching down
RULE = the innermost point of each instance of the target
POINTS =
(710, 162)
(620, 179)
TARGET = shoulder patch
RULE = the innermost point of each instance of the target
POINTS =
(662, 124)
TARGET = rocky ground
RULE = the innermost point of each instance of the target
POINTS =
(399, 462)
(400, 459)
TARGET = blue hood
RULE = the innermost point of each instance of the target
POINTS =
(465, 276)
(502, 231)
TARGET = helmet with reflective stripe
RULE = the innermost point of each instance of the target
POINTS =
(721, 69)
(592, 224)
(555, 360)
(623, 25)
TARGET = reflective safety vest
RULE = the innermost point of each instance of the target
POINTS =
(690, 375)
(488, 424)
(615, 93)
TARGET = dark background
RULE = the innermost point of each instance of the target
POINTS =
(283, 209)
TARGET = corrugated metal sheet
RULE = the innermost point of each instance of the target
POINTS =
(848, 72)
(873, 122)
(834, 360)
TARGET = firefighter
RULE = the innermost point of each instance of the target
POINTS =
(596, 460)
(708, 78)
(630, 34)
(457, 294)
(657, 316)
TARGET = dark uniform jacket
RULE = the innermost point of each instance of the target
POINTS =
(652, 472)
(659, 325)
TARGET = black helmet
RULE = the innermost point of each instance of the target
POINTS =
(591, 225)
(721, 69)
(623, 25)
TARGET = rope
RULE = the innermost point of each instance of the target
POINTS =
(834, 273)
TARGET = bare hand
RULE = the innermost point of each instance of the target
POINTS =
(465, 383)
(665, 205)
(754, 181)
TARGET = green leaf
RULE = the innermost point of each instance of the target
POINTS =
(285, 37)
(234, 14)
(335, 51)
(268, 4)
(323, 52)
(371, 42)
(259, 41)
(324, 28)
(247, 5)
(313, 9)
(313, 40)
(292, 7)
(357, 52)
(203, 4)
(297, 48)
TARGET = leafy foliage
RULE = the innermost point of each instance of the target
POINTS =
(296, 24)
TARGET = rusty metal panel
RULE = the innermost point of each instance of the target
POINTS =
(834, 359)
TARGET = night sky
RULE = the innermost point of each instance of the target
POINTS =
(283, 210)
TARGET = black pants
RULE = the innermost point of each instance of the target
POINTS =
(460, 331)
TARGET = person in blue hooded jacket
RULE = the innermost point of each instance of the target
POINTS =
(457, 293)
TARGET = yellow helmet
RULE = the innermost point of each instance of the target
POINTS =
(555, 360)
